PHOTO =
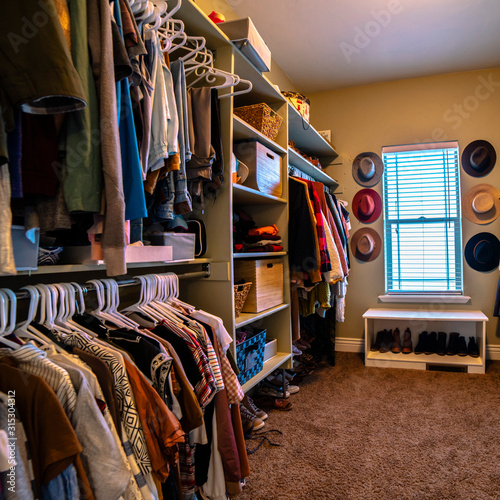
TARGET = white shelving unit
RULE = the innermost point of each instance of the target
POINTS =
(216, 294)
(467, 323)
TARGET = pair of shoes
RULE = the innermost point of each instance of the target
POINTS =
(457, 345)
(273, 391)
(387, 341)
(406, 346)
(274, 403)
(248, 403)
(249, 421)
(427, 343)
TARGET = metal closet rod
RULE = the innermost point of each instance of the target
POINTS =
(88, 287)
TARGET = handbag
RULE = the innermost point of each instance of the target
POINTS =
(197, 227)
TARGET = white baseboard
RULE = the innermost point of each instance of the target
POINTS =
(493, 352)
(346, 344)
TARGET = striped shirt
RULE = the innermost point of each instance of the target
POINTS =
(34, 361)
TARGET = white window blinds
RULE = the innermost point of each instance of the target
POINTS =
(422, 221)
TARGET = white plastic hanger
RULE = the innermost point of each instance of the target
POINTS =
(6, 321)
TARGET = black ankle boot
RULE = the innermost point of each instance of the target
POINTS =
(386, 341)
(441, 343)
(378, 342)
(462, 346)
(473, 348)
(422, 342)
(453, 344)
(431, 345)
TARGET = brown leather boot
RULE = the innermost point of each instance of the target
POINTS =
(407, 344)
(396, 344)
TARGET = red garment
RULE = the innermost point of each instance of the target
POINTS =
(266, 248)
(320, 225)
(333, 227)
(265, 230)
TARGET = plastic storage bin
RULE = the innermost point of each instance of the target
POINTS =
(250, 354)
(25, 250)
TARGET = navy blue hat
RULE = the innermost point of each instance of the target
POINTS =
(482, 252)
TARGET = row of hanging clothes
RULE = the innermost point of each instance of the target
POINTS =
(136, 403)
(110, 122)
(319, 261)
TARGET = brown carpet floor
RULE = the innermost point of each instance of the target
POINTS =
(382, 434)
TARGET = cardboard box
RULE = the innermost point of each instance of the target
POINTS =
(244, 35)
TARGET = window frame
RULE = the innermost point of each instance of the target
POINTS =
(453, 169)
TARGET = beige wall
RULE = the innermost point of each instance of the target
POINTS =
(459, 106)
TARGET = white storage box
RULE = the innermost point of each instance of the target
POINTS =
(245, 36)
(83, 255)
(182, 243)
(25, 251)
(270, 349)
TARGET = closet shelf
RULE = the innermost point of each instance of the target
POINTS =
(425, 358)
(257, 255)
(81, 268)
(243, 195)
(263, 90)
(246, 318)
(269, 366)
(307, 138)
(197, 23)
(243, 131)
(308, 168)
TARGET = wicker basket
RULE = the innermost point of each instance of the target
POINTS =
(261, 117)
(240, 295)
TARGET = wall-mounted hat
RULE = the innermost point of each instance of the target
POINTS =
(366, 244)
(367, 205)
(367, 169)
(482, 252)
(478, 158)
(481, 204)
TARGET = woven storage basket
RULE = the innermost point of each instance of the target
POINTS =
(261, 117)
(240, 295)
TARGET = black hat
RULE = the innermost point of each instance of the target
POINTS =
(482, 252)
(478, 158)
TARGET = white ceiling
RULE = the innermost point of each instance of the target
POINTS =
(327, 44)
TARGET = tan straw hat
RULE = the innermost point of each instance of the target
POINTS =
(481, 204)
(366, 244)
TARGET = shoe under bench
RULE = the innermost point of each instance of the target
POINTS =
(467, 323)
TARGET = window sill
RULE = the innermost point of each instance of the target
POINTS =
(425, 299)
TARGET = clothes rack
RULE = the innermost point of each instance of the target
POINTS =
(205, 273)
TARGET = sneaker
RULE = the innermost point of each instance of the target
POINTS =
(250, 405)
(249, 421)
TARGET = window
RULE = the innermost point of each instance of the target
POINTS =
(422, 221)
